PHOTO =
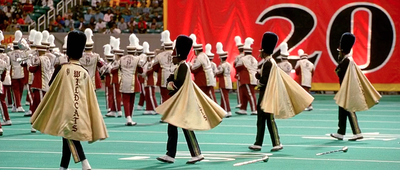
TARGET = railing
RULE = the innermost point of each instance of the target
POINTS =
(41, 25)
(68, 4)
(60, 8)
(50, 15)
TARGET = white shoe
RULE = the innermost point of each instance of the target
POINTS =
(149, 112)
(111, 114)
(195, 159)
(14, 109)
(129, 121)
(277, 148)
(28, 114)
(166, 159)
(310, 108)
(20, 109)
(33, 130)
(241, 112)
(6, 123)
(337, 136)
(139, 107)
(238, 106)
(255, 147)
(27, 103)
(228, 114)
(356, 137)
(86, 165)
(119, 114)
(1, 132)
(254, 113)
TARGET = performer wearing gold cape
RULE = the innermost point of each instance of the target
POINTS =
(69, 108)
(356, 92)
(188, 107)
(280, 95)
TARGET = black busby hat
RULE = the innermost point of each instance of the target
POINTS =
(347, 42)
(75, 44)
(268, 43)
(182, 47)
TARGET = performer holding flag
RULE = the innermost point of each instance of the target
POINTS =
(356, 92)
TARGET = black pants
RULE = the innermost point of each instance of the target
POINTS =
(263, 117)
(343, 114)
(173, 141)
(76, 148)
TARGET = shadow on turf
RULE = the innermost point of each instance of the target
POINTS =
(161, 165)
(19, 134)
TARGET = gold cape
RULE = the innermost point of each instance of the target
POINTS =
(356, 92)
(71, 110)
(191, 109)
(283, 96)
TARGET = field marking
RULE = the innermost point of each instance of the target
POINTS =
(206, 143)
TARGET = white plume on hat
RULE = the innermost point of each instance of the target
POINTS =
(112, 39)
(167, 37)
(18, 36)
(45, 35)
(220, 50)
(248, 42)
(89, 34)
(56, 50)
(162, 36)
(132, 39)
(107, 50)
(51, 41)
(1, 36)
(300, 52)
(146, 47)
(137, 45)
(284, 49)
(194, 38)
(38, 39)
(208, 50)
(116, 43)
(238, 41)
(65, 42)
(32, 35)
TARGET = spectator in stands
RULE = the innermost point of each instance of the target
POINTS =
(98, 15)
(146, 17)
(146, 9)
(117, 16)
(95, 3)
(27, 18)
(92, 23)
(111, 22)
(69, 22)
(136, 10)
(103, 7)
(28, 7)
(156, 7)
(132, 25)
(19, 19)
(60, 20)
(68, 13)
(115, 29)
(50, 28)
(88, 16)
(77, 12)
(142, 26)
(158, 17)
(8, 10)
(107, 16)
(81, 26)
(60, 28)
(100, 26)
(155, 25)
(122, 24)
(18, 10)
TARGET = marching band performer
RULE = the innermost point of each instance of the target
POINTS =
(210, 56)
(239, 45)
(188, 107)
(115, 107)
(106, 71)
(128, 67)
(225, 82)
(356, 92)
(202, 70)
(91, 60)
(28, 78)
(71, 110)
(41, 69)
(280, 95)
(305, 70)
(150, 82)
(142, 59)
(4, 66)
(284, 64)
(17, 73)
(246, 67)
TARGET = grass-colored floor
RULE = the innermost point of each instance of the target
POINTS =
(302, 136)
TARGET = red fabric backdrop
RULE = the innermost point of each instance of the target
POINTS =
(314, 26)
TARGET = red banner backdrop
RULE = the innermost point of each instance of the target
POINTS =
(314, 26)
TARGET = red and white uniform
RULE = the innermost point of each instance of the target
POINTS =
(17, 75)
(90, 61)
(3, 71)
(109, 86)
(52, 59)
(41, 68)
(203, 74)
(142, 98)
(150, 84)
(225, 84)
(164, 67)
(128, 67)
(239, 94)
(246, 69)
(285, 66)
(215, 70)
(7, 80)
(305, 70)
